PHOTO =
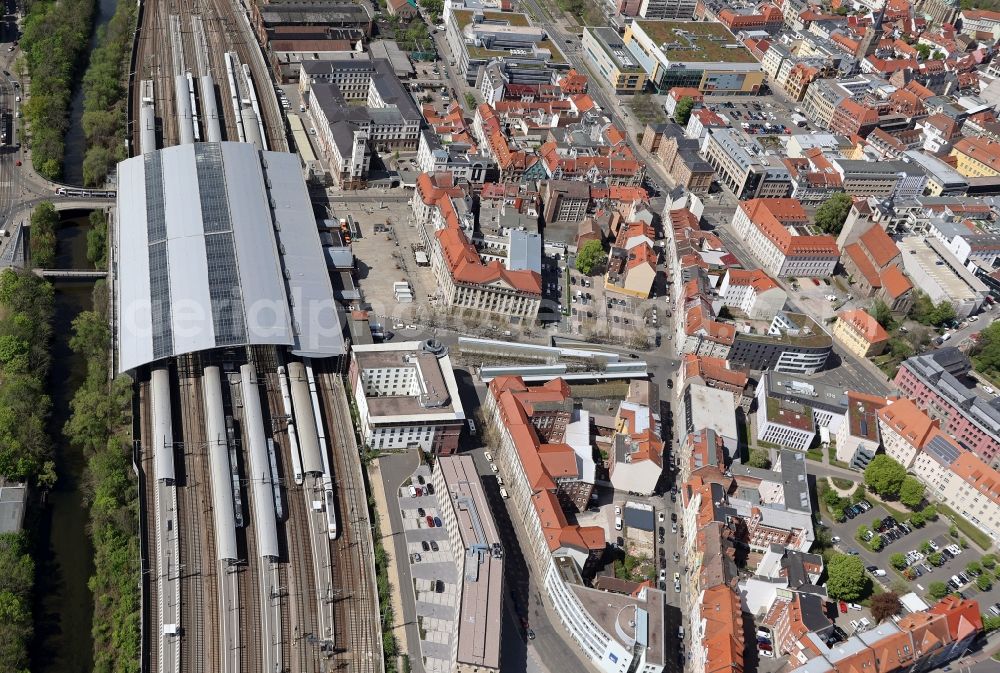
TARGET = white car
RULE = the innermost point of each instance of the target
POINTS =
(493, 466)
(618, 510)
(989, 390)
(661, 516)
(489, 456)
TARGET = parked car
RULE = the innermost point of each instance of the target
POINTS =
(437, 522)
(430, 521)
(434, 546)
(425, 545)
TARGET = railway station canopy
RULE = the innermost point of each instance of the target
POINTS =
(217, 246)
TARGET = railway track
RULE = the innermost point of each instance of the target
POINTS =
(358, 635)
(300, 629)
(226, 28)
(152, 586)
(197, 641)
(250, 616)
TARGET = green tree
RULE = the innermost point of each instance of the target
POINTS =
(877, 543)
(885, 476)
(682, 113)
(589, 257)
(991, 624)
(97, 240)
(846, 578)
(986, 353)
(44, 221)
(830, 216)
(882, 313)
(926, 312)
(758, 458)
(470, 101)
(898, 561)
(923, 51)
(984, 583)
(885, 605)
(930, 512)
(934, 558)
(917, 519)
(926, 548)
(989, 561)
(937, 590)
(974, 567)
(911, 492)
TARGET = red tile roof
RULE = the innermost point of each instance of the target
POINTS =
(771, 217)
(755, 278)
(881, 248)
(908, 421)
(895, 283)
(864, 325)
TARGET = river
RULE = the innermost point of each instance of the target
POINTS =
(65, 562)
(76, 143)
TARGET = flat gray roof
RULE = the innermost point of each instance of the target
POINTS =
(217, 246)
(481, 607)
(12, 502)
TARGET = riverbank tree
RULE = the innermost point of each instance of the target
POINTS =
(54, 39)
(99, 426)
(17, 581)
(44, 221)
(25, 336)
(97, 240)
(105, 92)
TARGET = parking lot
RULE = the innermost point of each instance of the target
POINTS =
(387, 256)
(432, 567)
(595, 311)
(934, 531)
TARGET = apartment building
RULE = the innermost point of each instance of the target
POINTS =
(904, 430)
(935, 383)
(776, 234)
(920, 641)
(860, 333)
(462, 160)
(565, 200)
(742, 166)
(707, 408)
(613, 61)
(465, 281)
(472, 532)
(960, 480)
(636, 459)
(564, 553)
(754, 293)
(976, 21)
(977, 157)
(713, 373)
(858, 436)
(679, 155)
(407, 396)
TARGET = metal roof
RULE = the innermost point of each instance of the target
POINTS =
(217, 246)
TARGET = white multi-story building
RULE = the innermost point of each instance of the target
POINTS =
(787, 424)
(960, 480)
(753, 292)
(858, 437)
(904, 430)
(406, 396)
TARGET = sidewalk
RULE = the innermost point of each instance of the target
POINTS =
(396, 600)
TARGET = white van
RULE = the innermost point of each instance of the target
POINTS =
(413, 492)
(499, 480)
(618, 523)
(503, 492)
